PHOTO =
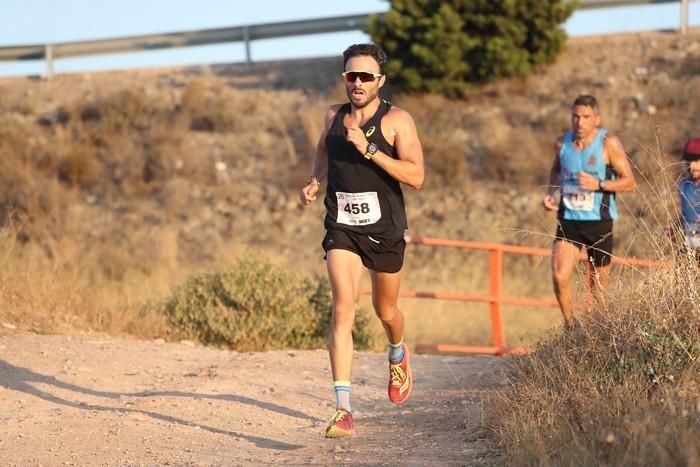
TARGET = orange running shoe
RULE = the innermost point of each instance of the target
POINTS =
(400, 379)
(341, 425)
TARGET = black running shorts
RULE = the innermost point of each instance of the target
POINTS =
(596, 236)
(377, 254)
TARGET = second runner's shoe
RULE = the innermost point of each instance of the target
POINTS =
(400, 379)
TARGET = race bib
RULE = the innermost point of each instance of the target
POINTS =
(576, 199)
(358, 208)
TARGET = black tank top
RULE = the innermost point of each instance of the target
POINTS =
(361, 197)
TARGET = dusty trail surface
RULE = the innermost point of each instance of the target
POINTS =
(67, 400)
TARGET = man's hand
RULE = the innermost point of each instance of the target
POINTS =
(357, 137)
(550, 203)
(588, 182)
(308, 193)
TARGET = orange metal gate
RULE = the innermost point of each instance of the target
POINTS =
(495, 299)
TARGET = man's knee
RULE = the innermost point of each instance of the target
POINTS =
(343, 314)
(561, 278)
(386, 313)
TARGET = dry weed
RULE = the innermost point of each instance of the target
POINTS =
(622, 390)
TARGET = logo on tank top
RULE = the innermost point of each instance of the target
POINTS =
(591, 160)
(370, 132)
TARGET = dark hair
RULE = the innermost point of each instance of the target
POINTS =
(587, 100)
(370, 50)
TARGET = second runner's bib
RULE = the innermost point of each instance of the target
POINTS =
(576, 199)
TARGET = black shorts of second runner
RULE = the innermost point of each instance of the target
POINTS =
(376, 253)
(596, 236)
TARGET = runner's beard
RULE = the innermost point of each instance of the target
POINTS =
(369, 97)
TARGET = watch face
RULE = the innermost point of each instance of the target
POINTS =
(372, 148)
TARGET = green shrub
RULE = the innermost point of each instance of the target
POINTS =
(256, 306)
(439, 46)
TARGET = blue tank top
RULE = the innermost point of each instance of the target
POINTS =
(581, 205)
(690, 204)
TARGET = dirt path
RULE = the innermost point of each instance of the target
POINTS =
(104, 401)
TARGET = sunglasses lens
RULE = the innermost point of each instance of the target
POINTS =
(365, 77)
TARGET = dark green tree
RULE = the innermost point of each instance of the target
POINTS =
(441, 46)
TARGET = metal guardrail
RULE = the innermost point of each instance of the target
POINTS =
(246, 34)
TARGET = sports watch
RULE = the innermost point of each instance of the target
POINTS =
(601, 185)
(371, 150)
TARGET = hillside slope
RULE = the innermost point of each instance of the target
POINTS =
(142, 177)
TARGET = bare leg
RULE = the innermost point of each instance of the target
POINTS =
(385, 297)
(563, 261)
(344, 272)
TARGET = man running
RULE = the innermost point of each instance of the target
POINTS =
(590, 166)
(367, 149)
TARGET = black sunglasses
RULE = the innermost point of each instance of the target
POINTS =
(365, 76)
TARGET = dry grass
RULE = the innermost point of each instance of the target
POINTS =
(623, 389)
(42, 296)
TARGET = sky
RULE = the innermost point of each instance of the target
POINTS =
(25, 22)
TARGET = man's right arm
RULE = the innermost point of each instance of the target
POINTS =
(319, 167)
(554, 182)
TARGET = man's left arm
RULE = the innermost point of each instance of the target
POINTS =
(617, 157)
(408, 168)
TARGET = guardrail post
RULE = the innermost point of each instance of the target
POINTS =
(246, 40)
(48, 55)
(496, 285)
(684, 16)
